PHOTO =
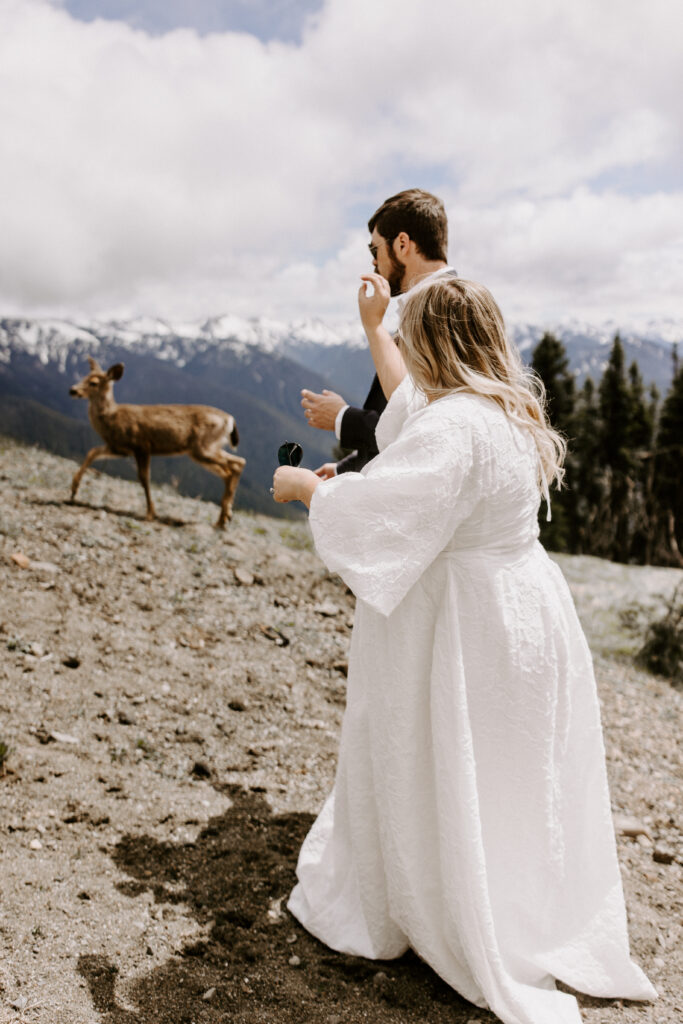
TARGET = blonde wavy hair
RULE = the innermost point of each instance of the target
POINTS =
(452, 338)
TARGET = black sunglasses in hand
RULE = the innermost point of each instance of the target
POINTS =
(290, 454)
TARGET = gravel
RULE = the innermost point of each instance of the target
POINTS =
(172, 697)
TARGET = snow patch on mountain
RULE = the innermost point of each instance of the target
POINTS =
(53, 340)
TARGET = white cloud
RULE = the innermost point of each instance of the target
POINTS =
(586, 254)
(180, 175)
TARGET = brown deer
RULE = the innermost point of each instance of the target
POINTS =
(199, 431)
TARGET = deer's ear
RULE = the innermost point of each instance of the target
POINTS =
(94, 365)
(115, 372)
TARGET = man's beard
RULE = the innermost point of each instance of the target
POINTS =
(396, 274)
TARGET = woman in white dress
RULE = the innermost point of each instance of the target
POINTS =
(470, 818)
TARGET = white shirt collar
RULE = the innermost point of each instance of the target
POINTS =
(423, 280)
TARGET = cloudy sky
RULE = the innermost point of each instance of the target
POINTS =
(192, 157)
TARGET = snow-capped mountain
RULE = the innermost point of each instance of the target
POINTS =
(253, 368)
(173, 341)
(337, 351)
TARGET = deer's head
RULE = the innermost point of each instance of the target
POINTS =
(97, 381)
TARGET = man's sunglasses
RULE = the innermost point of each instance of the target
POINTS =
(373, 248)
(290, 454)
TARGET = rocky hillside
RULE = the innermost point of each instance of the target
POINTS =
(172, 697)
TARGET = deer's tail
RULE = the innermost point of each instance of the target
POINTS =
(234, 435)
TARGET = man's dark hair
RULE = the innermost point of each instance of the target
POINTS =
(421, 215)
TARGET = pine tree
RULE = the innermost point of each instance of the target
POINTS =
(668, 477)
(587, 482)
(640, 429)
(615, 409)
(639, 443)
(549, 360)
(620, 509)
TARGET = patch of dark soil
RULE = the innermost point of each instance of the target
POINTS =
(255, 964)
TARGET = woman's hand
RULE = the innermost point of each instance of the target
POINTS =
(294, 484)
(326, 471)
(373, 307)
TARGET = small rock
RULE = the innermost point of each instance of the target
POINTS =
(294, 961)
(36, 649)
(274, 634)
(643, 840)
(126, 719)
(35, 844)
(209, 994)
(84, 895)
(200, 770)
(275, 911)
(243, 577)
(327, 608)
(291, 938)
(20, 559)
(663, 856)
(63, 737)
(71, 661)
(237, 705)
(630, 827)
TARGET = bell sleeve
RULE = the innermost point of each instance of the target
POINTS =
(380, 529)
(403, 402)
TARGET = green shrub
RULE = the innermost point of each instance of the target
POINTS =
(662, 652)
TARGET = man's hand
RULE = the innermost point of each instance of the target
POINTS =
(321, 410)
(373, 307)
(327, 471)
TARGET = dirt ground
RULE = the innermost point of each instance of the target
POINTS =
(172, 698)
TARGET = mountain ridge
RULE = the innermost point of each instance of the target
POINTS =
(253, 368)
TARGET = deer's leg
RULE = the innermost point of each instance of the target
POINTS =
(143, 460)
(232, 479)
(95, 453)
(229, 467)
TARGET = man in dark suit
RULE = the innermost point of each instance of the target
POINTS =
(408, 243)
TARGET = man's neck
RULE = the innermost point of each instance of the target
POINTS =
(420, 271)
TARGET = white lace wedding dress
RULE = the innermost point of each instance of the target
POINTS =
(470, 817)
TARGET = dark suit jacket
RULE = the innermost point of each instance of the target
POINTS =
(358, 430)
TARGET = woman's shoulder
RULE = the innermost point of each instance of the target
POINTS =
(468, 409)
(474, 420)
(457, 422)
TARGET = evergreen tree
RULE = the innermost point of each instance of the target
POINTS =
(587, 482)
(615, 409)
(668, 477)
(639, 443)
(640, 429)
(549, 360)
(620, 509)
